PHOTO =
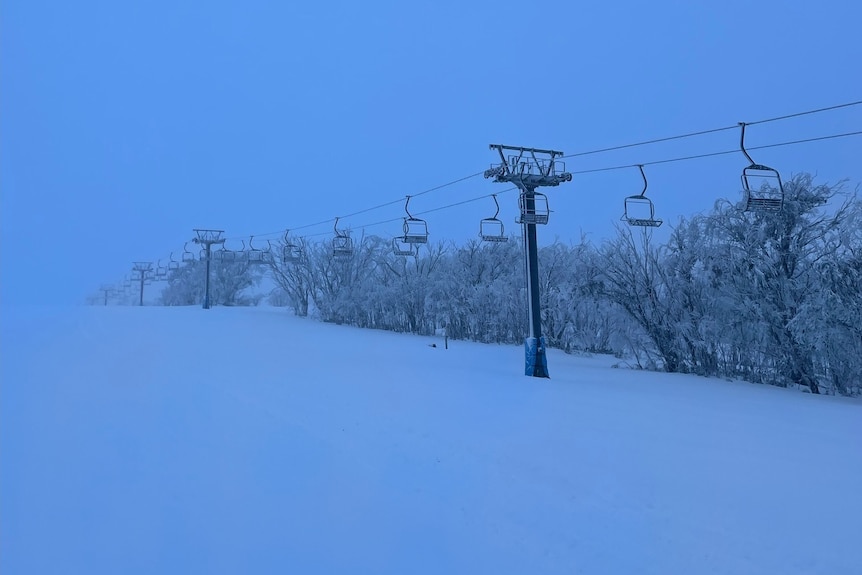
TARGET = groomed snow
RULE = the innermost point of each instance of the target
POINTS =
(179, 440)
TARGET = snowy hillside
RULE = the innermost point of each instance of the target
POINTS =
(178, 440)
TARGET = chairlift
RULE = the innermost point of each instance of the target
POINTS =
(415, 229)
(173, 264)
(534, 208)
(342, 243)
(255, 256)
(639, 210)
(765, 197)
(224, 255)
(188, 256)
(266, 253)
(161, 272)
(402, 248)
(491, 229)
(291, 252)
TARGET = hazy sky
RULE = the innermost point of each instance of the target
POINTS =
(125, 124)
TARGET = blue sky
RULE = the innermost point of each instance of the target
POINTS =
(125, 124)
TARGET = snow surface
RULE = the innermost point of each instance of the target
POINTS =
(179, 440)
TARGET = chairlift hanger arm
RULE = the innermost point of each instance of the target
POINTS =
(643, 175)
(754, 164)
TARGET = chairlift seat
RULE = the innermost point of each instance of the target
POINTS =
(762, 204)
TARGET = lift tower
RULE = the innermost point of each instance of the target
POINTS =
(207, 238)
(106, 290)
(143, 272)
(528, 169)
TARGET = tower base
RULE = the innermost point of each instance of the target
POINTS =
(536, 360)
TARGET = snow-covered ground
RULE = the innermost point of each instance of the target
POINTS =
(179, 440)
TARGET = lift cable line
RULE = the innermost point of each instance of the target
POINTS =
(188, 256)
(711, 154)
(608, 169)
(366, 210)
(806, 113)
(610, 149)
(711, 131)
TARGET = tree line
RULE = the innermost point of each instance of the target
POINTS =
(772, 298)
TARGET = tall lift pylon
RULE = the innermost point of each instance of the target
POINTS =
(528, 169)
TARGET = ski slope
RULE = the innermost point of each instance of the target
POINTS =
(179, 440)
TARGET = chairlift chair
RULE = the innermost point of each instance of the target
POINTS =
(255, 255)
(491, 229)
(342, 243)
(161, 272)
(224, 255)
(765, 197)
(415, 229)
(188, 256)
(266, 254)
(290, 252)
(639, 210)
(402, 248)
(535, 212)
(173, 264)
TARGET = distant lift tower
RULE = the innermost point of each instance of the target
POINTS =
(107, 291)
(530, 168)
(207, 238)
(142, 272)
